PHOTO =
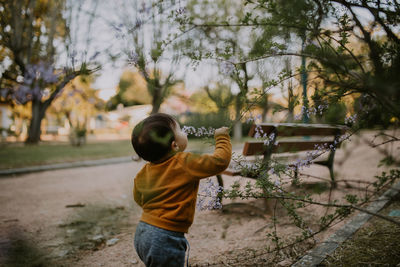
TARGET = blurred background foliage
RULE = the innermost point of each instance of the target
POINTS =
(270, 60)
(131, 91)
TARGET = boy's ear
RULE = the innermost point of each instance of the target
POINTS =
(174, 146)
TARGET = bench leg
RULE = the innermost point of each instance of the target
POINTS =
(221, 184)
(330, 166)
(295, 180)
(220, 181)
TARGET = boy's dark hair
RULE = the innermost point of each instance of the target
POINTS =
(153, 136)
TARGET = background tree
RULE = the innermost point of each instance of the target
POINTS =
(78, 104)
(215, 31)
(262, 97)
(20, 115)
(131, 90)
(143, 28)
(330, 49)
(200, 102)
(221, 95)
(322, 32)
(32, 37)
(224, 45)
(290, 99)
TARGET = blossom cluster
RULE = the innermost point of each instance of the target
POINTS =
(227, 68)
(318, 151)
(4, 92)
(133, 58)
(301, 163)
(260, 134)
(37, 77)
(278, 186)
(180, 11)
(350, 119)
(246, 167)
(311, 111)
(208, 196)
(40, 71)
(254, 118)
(198, 132)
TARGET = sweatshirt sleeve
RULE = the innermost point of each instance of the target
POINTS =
(202, 166)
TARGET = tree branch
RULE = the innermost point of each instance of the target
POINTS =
(374, 53)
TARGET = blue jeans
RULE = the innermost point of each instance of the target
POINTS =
(157, 247)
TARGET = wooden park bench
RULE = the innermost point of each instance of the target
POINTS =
(291, 138)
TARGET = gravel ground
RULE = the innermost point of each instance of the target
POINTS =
(87, 216)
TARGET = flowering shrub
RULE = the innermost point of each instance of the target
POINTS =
(209, 196)
(274, 179)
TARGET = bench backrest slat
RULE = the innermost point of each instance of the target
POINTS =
(298, 129)
(258, 147)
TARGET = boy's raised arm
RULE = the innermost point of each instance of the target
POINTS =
(202, 166)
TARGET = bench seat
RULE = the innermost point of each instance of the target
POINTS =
(289, 142)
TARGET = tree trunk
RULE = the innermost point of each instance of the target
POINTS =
(156, 103)
(264, 114)
(34, 131)
(237, 127)
(156, 108)
(237, 131)
(265, 109)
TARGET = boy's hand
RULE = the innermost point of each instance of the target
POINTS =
(222, 130)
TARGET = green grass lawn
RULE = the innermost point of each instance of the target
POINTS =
(20, 155)
(17, 155)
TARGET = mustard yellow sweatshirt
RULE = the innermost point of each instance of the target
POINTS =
(167, 191)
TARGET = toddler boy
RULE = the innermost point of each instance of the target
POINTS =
(166, 187)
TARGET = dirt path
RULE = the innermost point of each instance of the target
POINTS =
(87, 217)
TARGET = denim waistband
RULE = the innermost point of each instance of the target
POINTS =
(161, 230)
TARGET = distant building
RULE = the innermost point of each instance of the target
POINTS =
(175, 105)
(126, 115)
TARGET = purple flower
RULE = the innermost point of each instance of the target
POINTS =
(277, 185)
(350, 119)
(36, 79)
(133, 58)
(208, 196)
(202, 131)
(227, 68)
(310, 111)
(180, 11)
(259, 132)
(253, 118)
(49, 76)
(138, 24)
(40, 72)
(4, 92)
(21, 94)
